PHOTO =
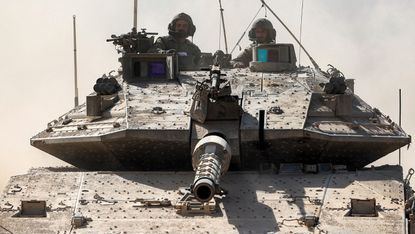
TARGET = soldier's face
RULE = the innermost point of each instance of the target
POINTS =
(182, 26)
(261, 35)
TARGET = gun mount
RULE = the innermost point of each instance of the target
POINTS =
(212, 99)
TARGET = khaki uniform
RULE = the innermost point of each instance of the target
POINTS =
(188, 53)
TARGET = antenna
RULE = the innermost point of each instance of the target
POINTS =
(74, 61)
(295, 38)
(135, 13)
(301, 32)
(400, 120)
(223, 25)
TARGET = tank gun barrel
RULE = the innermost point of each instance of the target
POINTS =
(211, 158)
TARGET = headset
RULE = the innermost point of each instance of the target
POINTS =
(187, 18)
(262, 23)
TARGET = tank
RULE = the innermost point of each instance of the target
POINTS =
(157, 147)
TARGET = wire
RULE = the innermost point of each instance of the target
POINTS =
(249, 25)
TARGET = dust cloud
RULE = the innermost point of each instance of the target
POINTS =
(370, 41)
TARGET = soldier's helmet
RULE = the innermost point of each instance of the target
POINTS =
(183, 16)
(265, 24)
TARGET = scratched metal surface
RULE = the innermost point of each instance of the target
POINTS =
(256, 203)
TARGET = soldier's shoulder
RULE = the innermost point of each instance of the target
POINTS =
(191, 44)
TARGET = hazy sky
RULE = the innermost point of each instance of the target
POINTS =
(371, 41)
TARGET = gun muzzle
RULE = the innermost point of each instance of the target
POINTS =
(211, 158)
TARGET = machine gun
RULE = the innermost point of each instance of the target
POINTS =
(133, 42)
(211, 95)
(215, 89)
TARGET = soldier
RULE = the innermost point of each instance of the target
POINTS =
(180, 28)
(262, 32)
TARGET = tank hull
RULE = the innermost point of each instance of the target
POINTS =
(256, 202)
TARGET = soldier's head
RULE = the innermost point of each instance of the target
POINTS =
(182, 26)
(262, 31)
